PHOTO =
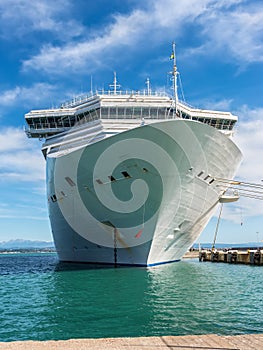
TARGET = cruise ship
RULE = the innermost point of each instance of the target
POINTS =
(132, 176)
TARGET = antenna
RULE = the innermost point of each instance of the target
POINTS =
(115, 86)
(91, 85)
(148, 86)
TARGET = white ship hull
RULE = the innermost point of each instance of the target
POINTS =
(140, 197)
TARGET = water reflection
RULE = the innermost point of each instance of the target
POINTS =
(102, 302)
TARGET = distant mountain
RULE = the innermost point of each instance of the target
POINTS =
(25, 244)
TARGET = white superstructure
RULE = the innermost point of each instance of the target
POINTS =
(131, 176)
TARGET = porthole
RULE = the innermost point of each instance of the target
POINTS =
(70, 181)
(54, 198)
(112, 178)
(126, 175)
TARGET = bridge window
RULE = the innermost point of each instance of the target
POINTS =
(112, 112)
(161, 113)
(121, 112)
(153, 113)
(146, 112)
(129, 112)
(213, 122)
(137, 112)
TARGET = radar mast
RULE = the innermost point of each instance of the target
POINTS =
(115, 86)
(174, 75)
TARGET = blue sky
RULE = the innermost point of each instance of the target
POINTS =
(50, 50)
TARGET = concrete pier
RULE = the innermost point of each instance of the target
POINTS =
(233, 256)
(204, 342)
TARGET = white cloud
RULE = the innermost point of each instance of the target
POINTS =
(8, 97)
(228, 25)
(249, 138)
(22, 179)
(19, 160)
(127, 31)
(237, 32)
(38, 92)
(220, 105)
(12, 139)
(21, 17)
(21, 212)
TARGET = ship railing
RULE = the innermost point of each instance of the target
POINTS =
(87, 97)
(133, 92)
(43, 133)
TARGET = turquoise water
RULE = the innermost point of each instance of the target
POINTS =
(42, 299)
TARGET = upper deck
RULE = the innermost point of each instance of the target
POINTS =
(145, 105)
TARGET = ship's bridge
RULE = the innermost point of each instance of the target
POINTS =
(120, 105)
(101, 105)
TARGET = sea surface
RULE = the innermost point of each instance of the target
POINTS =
(42, 299)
